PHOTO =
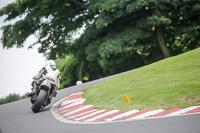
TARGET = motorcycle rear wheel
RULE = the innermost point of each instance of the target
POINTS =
(39, 101)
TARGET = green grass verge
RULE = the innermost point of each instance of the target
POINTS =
(169, 83)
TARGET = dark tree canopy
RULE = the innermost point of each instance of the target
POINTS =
(119, 34)
(53, 21)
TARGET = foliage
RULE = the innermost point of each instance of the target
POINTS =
(52, 21)
(12, 98)
(119, 34)
(123, 33)
(68, 67)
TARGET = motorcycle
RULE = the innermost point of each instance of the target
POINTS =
(44, 93)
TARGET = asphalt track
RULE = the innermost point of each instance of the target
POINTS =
(17, 117)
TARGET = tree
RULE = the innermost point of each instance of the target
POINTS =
(12, 97)
(127, 34)
(119, 34)
(52, 21)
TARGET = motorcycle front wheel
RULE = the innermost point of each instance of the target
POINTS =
(40, 99)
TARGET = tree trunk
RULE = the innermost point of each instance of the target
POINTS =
(161, 42)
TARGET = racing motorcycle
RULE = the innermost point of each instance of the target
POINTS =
(43, 95)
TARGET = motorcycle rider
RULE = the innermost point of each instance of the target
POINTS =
(49, 72)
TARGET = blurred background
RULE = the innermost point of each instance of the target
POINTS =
(18, 66)
(91, 39)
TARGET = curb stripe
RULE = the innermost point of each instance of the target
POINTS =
(61, 106)
(89, 115)
(102, 115)
(182, 111)
(122, 115)
(71, 105)
(86, 119)
(166, 112)
(70, 101)
(111, 115)
(78, 110)
(133, 115)
(193, 111)
(72, 97)
(149, 113)
(82, 114)
(72, 110)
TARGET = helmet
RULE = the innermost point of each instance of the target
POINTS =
(50, 62)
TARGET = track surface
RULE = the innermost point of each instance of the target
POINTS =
(17, 117)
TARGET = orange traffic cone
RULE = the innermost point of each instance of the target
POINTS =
(127, 99)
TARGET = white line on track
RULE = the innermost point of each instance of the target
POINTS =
(77, 110)
(146, 114)
(102, 115)
(73, 104)
(71, 117)
(122, 115)
(89, 115)
(70, 101)
(182, 111)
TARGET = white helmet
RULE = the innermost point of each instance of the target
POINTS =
(50, 62)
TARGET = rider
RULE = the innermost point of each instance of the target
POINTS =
(51, 72)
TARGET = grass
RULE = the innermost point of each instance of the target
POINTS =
(169, 83)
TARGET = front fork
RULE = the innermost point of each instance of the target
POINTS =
(44, 84)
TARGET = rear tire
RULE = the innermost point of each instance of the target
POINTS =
(39, 101)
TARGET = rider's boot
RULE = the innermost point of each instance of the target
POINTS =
(54, 94)
(51, 96)
(33, 92)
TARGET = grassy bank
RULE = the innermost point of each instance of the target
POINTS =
(172, 82)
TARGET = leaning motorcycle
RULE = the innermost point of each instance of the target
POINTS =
(43, 95)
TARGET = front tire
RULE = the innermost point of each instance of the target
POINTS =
(39, 101)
